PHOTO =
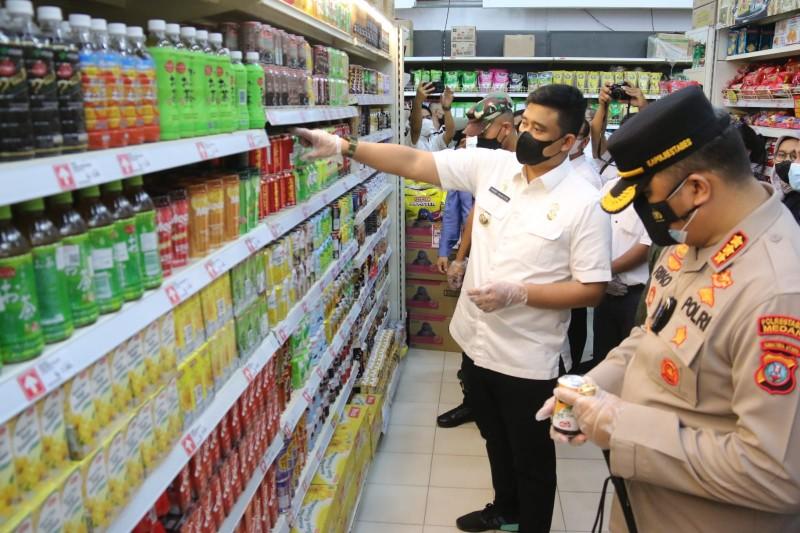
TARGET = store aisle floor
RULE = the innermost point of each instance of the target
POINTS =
(424, 477)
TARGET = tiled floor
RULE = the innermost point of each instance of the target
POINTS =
(424, 477)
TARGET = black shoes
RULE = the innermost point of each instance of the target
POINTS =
(487, 519)
(455, 417)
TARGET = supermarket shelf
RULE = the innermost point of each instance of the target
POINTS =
(521, 95)
(155, 484)
(547, 59)
(372, 99)
(373, 203)
(766, 103)
(285, 522)
(772, 53)
(35, 178)
(394, 383)
(371, 242)
(375, 308)
(289, 17)
(284, 116)
(378, 136)
(775, 132)
(23, 384)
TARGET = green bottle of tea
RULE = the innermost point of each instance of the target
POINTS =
(126, 249)
(77, 251)
(146, 231)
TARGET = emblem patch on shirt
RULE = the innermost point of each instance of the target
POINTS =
(786, 326)
(499, 194)
(670, 372)
(776, 375)
(651, 296)
(552, 212)
(719, 280)
(675, 259)
(728, 250)
(680, 336)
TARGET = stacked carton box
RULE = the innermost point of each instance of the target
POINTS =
(463, 41)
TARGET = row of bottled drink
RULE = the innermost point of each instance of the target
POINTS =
(68, 86)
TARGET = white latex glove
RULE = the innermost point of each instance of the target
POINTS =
(322, 143)
(616, 288)
(455, 274)
(498, 295)
(597, 415)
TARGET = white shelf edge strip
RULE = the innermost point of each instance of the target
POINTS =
(222, 402)
(36, 178)
(373, 203)
(369, 245)
(282, 116)
(23, 384)
(774, 132)
(285, 522)
(781, 103)
(543, 59)
(522, 95)
(378, 136)
(373, 99)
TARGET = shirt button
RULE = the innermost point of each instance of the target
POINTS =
(775, 237)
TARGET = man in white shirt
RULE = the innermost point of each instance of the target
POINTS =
(583, 167)
(424, 132)
(540, 247)
(615, 317)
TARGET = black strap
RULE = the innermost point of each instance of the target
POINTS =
(597, 527)
(622, 496)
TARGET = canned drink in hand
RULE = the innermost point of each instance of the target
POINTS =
(563, 418)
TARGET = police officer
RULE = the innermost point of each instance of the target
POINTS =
(699, 407)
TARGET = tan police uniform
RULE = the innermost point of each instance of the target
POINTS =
(710, 440)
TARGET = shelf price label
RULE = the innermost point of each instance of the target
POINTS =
(281, 334)
(188, 444)
(133, 163)
(31, 384)
(249, 373)
(178, 291)
(207, 149)
(76, 174)
(307, 397)
(215, 267)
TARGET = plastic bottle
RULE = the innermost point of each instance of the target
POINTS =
(166, 82)
(118, 41)
(66, 65)
(16, 131)
(255, 91)
(145, 98)
(48, 267)
(92, 84)
(197, 64)
(126, 249)
(184, 96)
(110, 64)
(102, 237)
(242, 113)
(146, 231)
(77, 251)
(209, 65)
(225, 82)
(20, 326)
(42, 84)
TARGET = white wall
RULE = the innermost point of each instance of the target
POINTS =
(666, 20)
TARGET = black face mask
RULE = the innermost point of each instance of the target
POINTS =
(530, 151)
(491, 144)
(658, 216)
(782, 170)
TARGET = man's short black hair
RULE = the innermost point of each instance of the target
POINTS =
(725, 156)
(567, 101)
(585, 129)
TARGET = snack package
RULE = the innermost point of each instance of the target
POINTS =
(619, 77)
(452, 80)
(100, 373)
(47, 512)
(485, 78)
(9, 490)
(121, 392)
(581, 80)
(151, 345)
(423, 207)
(169, 355)
(644, 82)
(558, 77)
(72, 507)
(137, 370)
(569, 78)
(533, 81)
(28, 451)
(146, 431)
(436, 75)
(96, 497)
(115, 449)
(469, 81)
(516, 82)
(593, 82)
(186, 390)
(632, 78)
(134, 467)
(655, 79)
(79, 415)
(546, 78)
(500, 80)
(50, 412)
(606, 78)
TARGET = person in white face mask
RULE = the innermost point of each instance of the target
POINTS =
(580, 163)
(786, 151)
(426, 134)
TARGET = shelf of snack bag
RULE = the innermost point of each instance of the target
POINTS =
(381, 190)
(371, 242)
(36, 178)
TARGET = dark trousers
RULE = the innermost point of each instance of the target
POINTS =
(521, 454)
(613, 320)
(467, 365)
(576, 333)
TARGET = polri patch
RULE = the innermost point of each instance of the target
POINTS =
(776, 375)
(785, 326)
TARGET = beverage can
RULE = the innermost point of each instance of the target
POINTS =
(563, 419)
(164, 229)
(198, 220)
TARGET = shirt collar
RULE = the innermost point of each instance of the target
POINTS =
(551, 179)
(724, 253)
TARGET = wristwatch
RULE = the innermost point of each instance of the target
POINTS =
(352, 144)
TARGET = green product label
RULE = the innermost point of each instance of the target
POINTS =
(199, 96)
(209, 74)
(20, 330)
(78, 274)
(240, 98)
(51, 289)
(255, 96)
(127, 258)
(167, 89)
(147, 230)
(184, 94)
(106, 277)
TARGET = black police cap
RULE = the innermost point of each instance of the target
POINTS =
(656, 138)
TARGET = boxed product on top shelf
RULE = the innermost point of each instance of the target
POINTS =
(754, 39)
(766, 81)
(732, 12)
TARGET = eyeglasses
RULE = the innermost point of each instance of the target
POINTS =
(780, 156)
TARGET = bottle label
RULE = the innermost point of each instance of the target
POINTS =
(128, 258)
(17, 139)
(20, 328)
(107, 284)
(78, 273)
(52, 292)
(147, 229)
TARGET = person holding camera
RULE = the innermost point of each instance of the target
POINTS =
(634, 97)
(425, 133)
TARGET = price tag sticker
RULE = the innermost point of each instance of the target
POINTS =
(133, 163)
(319, 371)
(251, 244)
(178, 291)
(287, 431)
(215, 267)
(276, 228)
(304, 305)
(189, 445)
(207, 149)
(281, 334)
(249, 373)
(307, 397)
(306, 209)
(263, 466)
(76, 174)
(32, 385)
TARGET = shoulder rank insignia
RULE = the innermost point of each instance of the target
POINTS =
(727, 251)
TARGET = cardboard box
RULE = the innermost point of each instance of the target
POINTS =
(787, 32)
(519, 46)
(373, 403)
(462, 49)
(430, 296)
(407, 29)
(461, 34)
(421, 261)
(429, 235)
(704, 15)
(431, 331)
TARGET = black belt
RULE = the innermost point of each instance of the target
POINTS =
(624, 502)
